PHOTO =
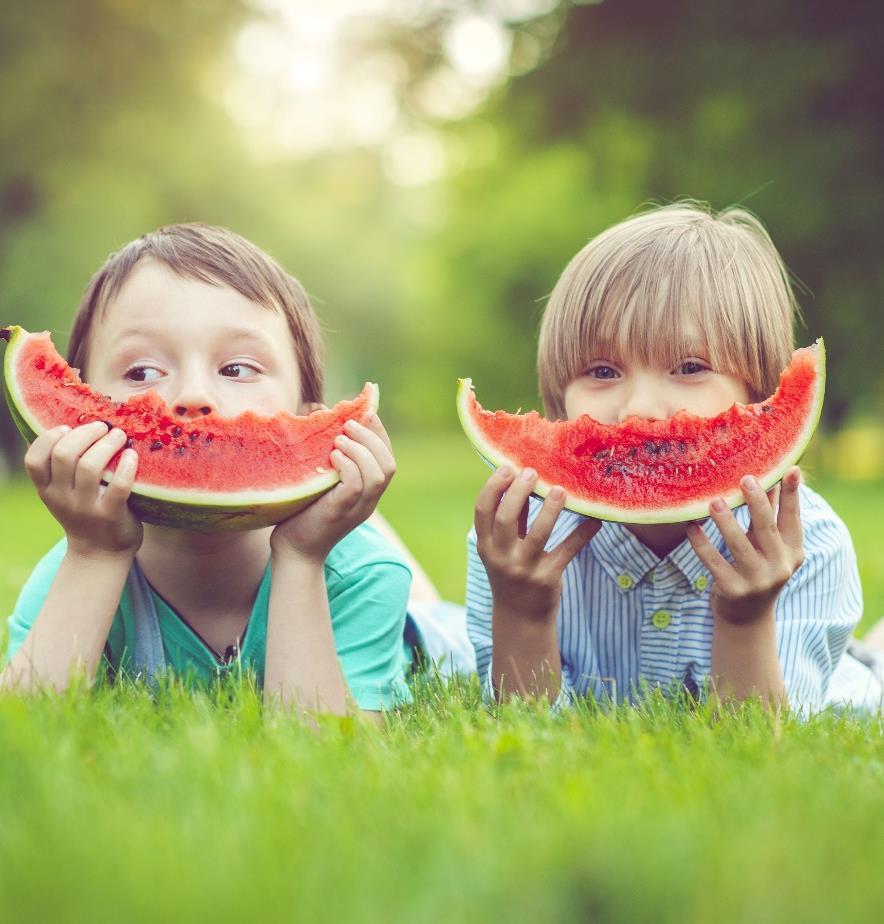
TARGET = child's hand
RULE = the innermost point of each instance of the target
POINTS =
(525, 579)
(364, 459)
(66, 467)
(765, 557)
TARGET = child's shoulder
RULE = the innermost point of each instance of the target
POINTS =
(822, 526)
(365, 547)
(43, 573)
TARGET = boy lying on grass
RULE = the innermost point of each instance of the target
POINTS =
(674, 309)
(315, 606)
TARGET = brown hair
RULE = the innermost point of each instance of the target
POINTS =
(220, 257)
(630, 290)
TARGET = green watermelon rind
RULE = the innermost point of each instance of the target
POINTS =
(696, 509)
(187, 508)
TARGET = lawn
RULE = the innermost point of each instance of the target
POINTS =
(202, 807)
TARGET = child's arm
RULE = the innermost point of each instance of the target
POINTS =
(103, 535)
(744, 593)
(302, 671)
(526, 582)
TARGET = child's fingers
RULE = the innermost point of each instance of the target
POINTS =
(93, 462)
(120, 486)
(523, 519)
(349, 488)
(373, 422)
(761, 518)
(378, 445)
(571, 545)
(789, 514)
(542, 527)
(67, 451)
(38, 458)
(506, 523)
(716, 564)
(745, 556)
(489, 500)
(371, 475)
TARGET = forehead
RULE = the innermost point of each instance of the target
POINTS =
(154, 298)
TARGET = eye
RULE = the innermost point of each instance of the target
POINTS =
(602, 372)
(691, 367)
(239, 371)
(142, 374)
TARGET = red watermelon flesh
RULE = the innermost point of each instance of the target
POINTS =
(208, 473)
(657, 471)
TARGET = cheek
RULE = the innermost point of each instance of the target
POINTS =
(580, 400)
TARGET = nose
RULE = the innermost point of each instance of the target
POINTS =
(646, 398)
(194, 397)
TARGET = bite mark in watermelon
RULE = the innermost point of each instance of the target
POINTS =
(209, 473)
(657, 471)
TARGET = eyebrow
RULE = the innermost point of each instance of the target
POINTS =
(237, 334)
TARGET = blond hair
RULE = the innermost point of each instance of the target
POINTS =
(634, 291)
(221, 257)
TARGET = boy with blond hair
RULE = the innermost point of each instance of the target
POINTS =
(678, 308)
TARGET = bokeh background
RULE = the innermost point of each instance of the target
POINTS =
(427, 168)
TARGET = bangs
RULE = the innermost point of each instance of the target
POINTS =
(664, 286)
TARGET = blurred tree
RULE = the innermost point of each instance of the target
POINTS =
(114, 128)
(775, 104)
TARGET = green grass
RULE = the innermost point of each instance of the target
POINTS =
(203, 807)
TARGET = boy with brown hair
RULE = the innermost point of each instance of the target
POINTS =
(316, 605)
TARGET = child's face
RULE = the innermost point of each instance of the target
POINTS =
(202, 347)
(612, 389)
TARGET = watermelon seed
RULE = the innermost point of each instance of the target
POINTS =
(194, 436)
(130, 443)
(210, 437)
(155, 445)
(690, 471)
(601, 454)
(711, 461)
(176, 432)
(180, 450)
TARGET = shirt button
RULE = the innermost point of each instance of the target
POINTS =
(660, 619)
(625, 580)
(701, 583)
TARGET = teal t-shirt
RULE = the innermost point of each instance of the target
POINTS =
(367, 584)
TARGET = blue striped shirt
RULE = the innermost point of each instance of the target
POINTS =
(629, 621)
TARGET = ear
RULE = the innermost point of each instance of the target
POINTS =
(308, 407)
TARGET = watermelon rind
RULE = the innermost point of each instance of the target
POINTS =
(697, 509)
(188, 508)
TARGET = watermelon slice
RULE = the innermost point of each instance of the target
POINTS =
(657, 471)
(212, 473)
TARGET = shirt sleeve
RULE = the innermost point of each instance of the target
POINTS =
(368, 608)
(479, 610)
(479, 607)
(818, 608)
(31, 598)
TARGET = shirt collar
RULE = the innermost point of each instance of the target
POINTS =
(626, 560)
